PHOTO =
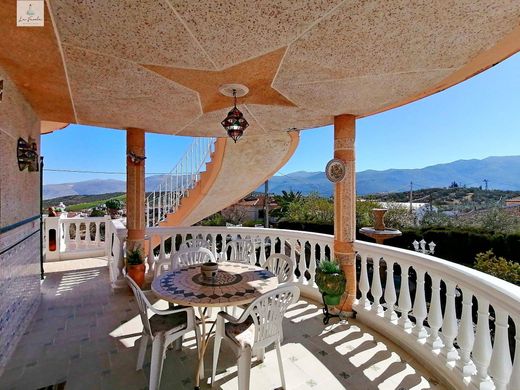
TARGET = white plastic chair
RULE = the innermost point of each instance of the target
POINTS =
(184, 257)
(163, 328)
(281, 265)
(240, 251)
(191, 256)
(257, 328)
(195, 243)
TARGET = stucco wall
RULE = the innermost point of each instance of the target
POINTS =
(19, 231)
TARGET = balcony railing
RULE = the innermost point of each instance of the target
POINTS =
(73, 238)
(459, 322)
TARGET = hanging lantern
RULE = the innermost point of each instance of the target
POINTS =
(235, 123)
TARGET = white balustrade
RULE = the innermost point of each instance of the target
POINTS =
(455, 335)
(440, 329)
(175, 185)
(74, 238)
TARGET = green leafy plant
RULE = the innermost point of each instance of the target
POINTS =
(114, 204)
(331, 281)
(134, 256)
(500, 267)
(329, 267)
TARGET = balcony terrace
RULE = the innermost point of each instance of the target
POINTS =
(434, 337)
(84, 333)
(169, 67)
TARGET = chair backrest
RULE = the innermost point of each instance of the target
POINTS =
(191, 256)
(196, 243)
(142, 302)
(267, 312)
(281, 265)
(240, 251)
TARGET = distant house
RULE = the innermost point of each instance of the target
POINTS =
(250, 208)
(513, 201)
(513, 205)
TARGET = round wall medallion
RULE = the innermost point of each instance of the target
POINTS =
(335, 170)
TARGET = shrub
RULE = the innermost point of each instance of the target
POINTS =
(214, 220)
(114, 204)
(97, 213)
(498, 266)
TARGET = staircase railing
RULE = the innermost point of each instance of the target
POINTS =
(166, 197)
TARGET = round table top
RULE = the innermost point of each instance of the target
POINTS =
(236, 284)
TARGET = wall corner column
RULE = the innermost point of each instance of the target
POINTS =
(345, 206)
(135, 189)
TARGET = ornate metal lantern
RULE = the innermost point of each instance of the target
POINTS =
(235, 123)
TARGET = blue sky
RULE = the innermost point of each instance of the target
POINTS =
(475, 119)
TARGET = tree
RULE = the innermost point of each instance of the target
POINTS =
(311, 209)
(498, 266)
(284, 201)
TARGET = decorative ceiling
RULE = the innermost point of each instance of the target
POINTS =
(158, 64)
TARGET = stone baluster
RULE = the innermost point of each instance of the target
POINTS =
(312, 260)
(312, 263)
(66, 233)
(376, 289)
(77, 239)
(405, 301)
(435, 313)
(482, 349)
(449, 323)
(363, 283)
(213, 245)
(150, 259)
(293, 243)
(162, 249)
(390, 296)
(263, 257)
(88, 240)
(500, 366)
(419, 307)
(97, 237)
(514, 380)
(466, 335)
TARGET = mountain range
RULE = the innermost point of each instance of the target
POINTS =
(500, 172)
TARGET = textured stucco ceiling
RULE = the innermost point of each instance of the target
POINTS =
(157, 64)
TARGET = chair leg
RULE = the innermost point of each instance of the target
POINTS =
(178, 344)
(197, 341)
(280, 364)
(157, 361)
(142, 351)
(244, 369)
(260, 354)
(216, 351)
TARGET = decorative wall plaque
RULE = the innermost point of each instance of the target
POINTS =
(335, 170)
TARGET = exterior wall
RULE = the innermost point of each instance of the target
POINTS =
(19, 223)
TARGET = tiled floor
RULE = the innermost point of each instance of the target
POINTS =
(84, 334)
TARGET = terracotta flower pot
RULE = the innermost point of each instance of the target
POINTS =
(136, 272)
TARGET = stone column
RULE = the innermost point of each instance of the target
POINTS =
(345, 206)
(135, 191)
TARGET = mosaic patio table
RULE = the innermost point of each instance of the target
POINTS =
(235, 284)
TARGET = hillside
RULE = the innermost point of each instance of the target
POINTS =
(502, 173)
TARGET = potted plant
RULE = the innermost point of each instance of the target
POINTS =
(113, 206)
(330, 281)
(135, 265)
